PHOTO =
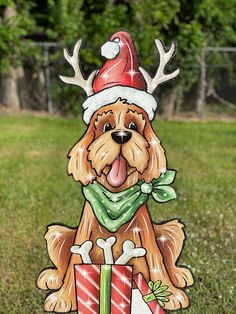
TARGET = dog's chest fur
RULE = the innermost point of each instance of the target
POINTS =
(129, 231)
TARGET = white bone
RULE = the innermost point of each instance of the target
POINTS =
(106, 245)
(129, 251)
(83, 250)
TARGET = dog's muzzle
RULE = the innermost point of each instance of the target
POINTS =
(121, 137)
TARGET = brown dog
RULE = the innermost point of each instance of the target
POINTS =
(91, 159)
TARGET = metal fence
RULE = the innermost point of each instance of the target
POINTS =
(222, 91)
(47, 46)
(216, 84)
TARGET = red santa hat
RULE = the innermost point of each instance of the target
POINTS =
(119, 77)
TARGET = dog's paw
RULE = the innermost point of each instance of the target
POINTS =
(49, 279)
(181, 277)
(61, 301)
(178, 300)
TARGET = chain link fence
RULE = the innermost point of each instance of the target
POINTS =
(41, 88)
(217, 78)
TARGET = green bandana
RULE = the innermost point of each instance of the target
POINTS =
(112, 210)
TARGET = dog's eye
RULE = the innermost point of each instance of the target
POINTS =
(107, 127)
(133, 126)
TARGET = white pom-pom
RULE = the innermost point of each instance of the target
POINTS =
(110, 50)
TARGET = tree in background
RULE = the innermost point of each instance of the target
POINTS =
(71, 27)
(193, 25)
(217, 19)
(16, 26)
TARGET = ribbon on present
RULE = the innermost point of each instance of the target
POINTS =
(152, 296)
(159, 293)
(103, 289)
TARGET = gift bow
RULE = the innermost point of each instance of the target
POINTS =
(158, 293)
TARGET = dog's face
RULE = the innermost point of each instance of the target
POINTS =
(118, 149)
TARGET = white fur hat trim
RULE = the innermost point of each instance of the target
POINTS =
(109, 95)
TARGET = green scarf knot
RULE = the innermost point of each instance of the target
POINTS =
(146, 187)
(112, 210)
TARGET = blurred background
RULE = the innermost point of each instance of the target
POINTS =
(40, 120)
(34, 32)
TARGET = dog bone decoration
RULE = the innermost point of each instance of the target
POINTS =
(118, 260)
(130, 251)
(83, 250)
(106, 245)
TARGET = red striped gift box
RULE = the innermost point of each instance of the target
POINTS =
(103, 289)
(87, 288)
(144, 289)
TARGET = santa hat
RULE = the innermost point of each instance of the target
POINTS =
(120, 77)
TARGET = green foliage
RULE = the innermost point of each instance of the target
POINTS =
(193, 24)
(4, 3)
(68, 98)
(66, 20)
(14, 33)
(190, 41)
(217, 18)
(152, 20)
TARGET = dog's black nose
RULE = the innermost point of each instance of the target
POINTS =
(121, 137)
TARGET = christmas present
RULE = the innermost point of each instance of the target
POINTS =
(154, 294)
(103, 289)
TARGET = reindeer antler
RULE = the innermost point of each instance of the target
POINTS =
(78, 78)
(160, 77)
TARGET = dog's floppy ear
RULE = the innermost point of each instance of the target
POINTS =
(79, 166)
(157, 161)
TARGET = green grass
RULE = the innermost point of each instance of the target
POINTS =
(35, 191)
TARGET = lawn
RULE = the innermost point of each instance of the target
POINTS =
(35, 191)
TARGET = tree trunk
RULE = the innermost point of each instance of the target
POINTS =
(23, 88)
(38, 83)
(179, 100)
(168, 101)
(10, 96)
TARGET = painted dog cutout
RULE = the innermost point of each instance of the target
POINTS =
(120, 163)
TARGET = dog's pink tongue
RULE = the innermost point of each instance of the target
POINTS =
(118, 173)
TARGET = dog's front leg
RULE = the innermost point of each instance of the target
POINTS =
(59, 240)
(157, 269)
(64, 300)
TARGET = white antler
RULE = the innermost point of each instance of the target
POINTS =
(78, 78)
(160, 77)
